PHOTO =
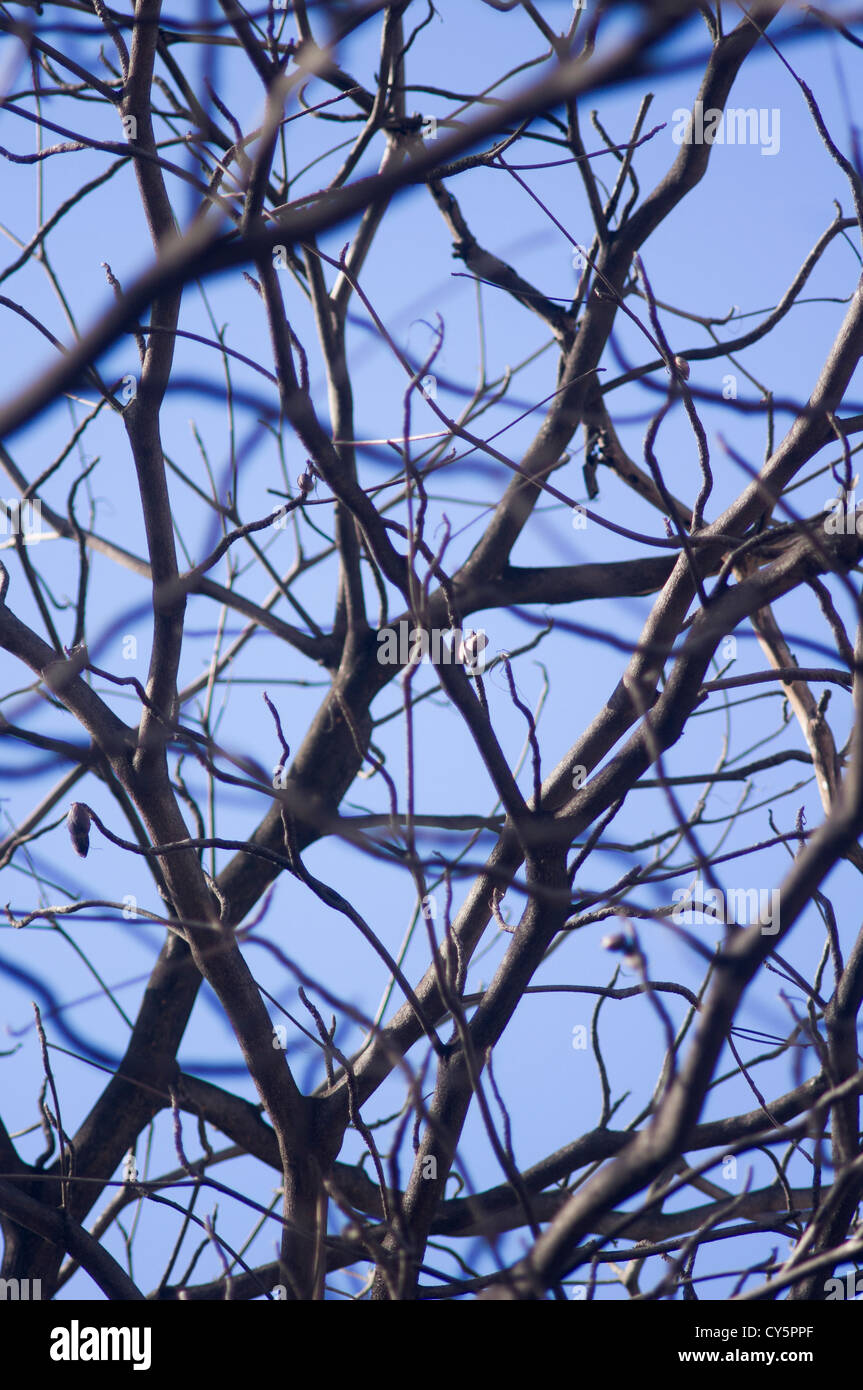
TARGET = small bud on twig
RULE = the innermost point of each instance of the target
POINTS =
(306, 481)
(78, 821)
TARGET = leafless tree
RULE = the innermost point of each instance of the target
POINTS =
(280, 797)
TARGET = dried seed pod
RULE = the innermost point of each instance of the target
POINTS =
(78, 821)
(471, 650)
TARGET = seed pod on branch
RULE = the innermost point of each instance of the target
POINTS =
(78, 821)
